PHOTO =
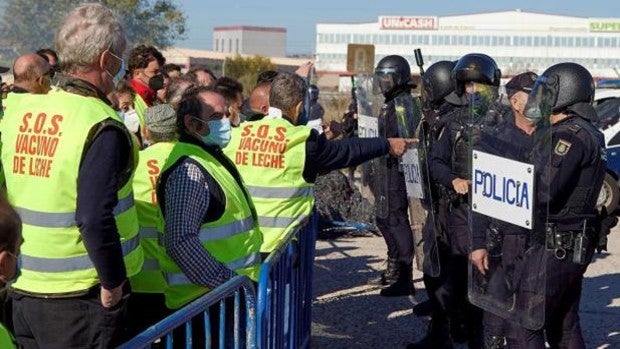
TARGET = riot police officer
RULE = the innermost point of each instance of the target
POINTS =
(476, 79)
(571, 180)
(393, 76)
(440, 102)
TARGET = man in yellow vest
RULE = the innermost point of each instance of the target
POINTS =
(279, 161)
(147, 303)
(209, 222)
(69, 166)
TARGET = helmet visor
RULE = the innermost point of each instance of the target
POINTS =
(385, 80)
(542, 98)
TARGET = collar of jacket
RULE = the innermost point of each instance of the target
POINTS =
(81, 87)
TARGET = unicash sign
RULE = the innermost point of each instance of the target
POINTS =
(503, 189)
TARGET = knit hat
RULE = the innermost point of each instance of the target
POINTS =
(161, 118)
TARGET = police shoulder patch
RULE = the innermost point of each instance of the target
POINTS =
(562, 147)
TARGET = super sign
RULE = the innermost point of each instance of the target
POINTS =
(503, 189)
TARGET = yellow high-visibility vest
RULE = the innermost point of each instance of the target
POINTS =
(270, 155)
(44, 138)
(233, 240)
(152, 159)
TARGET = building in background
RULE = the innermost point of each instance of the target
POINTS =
(264, 41)
(213, 60)
(517, 40)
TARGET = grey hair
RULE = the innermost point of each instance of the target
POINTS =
(286, 91)
(87, 32)
(176, 89)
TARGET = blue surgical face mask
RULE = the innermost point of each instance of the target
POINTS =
(219, 132)
(121, 71)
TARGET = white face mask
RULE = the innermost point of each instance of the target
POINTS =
(131, 120)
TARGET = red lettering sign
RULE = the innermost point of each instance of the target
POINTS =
(408, 23)
(36, 144)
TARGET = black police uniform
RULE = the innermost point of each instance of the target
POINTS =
(502, 240)
(448, 161)
(395, 227)
(574, 177)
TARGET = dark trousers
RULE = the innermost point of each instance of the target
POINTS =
(562, 299)
(395, 227)
(63, 323)
(145, 310)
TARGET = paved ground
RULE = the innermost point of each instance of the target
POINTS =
(348, 313)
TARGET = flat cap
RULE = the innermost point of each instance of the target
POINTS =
(161, 118)
(521, 82)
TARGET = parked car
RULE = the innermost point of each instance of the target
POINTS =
(607, 106)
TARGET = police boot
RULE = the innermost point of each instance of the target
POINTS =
(436, 337)
(390, 274)
(493, 342)
(403, 286)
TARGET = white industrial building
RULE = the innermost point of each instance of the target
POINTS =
(517, 40)
(264, 41)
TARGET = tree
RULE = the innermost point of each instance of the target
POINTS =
(28, 25)
(246, 70)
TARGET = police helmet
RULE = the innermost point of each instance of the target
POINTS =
(475, 67)
(574, 85)
(436, 81)
(392, 72)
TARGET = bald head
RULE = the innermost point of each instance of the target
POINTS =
(259, 98)
(32, 73)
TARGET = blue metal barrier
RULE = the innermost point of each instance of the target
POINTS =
(285, 291)
(183, 318)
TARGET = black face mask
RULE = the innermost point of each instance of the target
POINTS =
(156, 82)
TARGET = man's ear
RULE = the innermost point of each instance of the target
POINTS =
(4, 264)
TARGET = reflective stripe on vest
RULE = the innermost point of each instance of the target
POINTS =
(65, 220)
(280, 193)
(148, 233)
(226, 231)
(62, 265)
(279, 222)
(177, 279)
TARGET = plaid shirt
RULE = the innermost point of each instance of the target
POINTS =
(187, 201)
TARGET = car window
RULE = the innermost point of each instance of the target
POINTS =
(608, 111)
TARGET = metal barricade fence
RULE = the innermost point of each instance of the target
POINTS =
(285, 291)
(240, 288)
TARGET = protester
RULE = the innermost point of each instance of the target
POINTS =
(232, 90)
(172, 70)
(147, 303)
(31, 73)
(80, 240)
(145, 63)
(279, 160)
(177, 88)
(202, 75)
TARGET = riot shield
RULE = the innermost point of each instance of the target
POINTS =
(507, 272)
(374, 174)
(408, 115)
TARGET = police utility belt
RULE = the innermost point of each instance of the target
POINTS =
(562, 242)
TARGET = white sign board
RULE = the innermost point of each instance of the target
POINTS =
(503, 189)
(367, 126)
(413, 175)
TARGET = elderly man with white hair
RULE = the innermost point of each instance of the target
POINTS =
(69, 163)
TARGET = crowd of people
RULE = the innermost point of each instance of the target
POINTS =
(134, 188)
(140, 187)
